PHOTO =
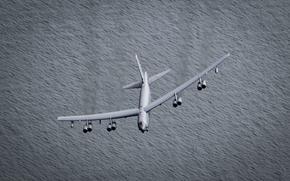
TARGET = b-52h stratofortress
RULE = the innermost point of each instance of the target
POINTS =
(145, 104)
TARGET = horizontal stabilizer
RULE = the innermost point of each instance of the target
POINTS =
(158, 76)
(134, 85)
(138, 84)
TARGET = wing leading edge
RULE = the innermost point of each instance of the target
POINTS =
(135, 112)
(184, 85)
(101, 116)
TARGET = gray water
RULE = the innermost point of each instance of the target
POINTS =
(73, 57)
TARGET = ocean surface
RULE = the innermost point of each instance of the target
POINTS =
(72, 57)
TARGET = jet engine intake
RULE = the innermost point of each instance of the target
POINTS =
(199, 86)
(174, 104)
(114, 125)
(85, 128)
(109, 128)
(90, 126)
(179, 101)
(203, 84)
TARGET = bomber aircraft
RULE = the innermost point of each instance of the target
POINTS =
(145, 104)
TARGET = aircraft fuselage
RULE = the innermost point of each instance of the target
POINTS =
(144, 100)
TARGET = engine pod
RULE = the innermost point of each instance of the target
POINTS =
(109, 128)
(114, 125)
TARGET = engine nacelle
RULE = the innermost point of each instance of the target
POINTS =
(179, 101)
(216, 70)
(85, 129)
(203, 84)
(114, 125)
(109, 128)
(174, 104)
(90, 127)
(199, 86)
(71, 124)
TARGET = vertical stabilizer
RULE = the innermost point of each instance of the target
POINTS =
(140, 68)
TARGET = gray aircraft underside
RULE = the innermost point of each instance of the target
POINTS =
(145, 104)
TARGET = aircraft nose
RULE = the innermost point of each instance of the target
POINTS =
(142, 126)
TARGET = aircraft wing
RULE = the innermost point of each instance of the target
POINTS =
(101, 116)
(183, 86)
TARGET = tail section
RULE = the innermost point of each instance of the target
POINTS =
(138, 84)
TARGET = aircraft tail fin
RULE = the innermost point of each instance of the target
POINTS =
(139, 66)
(138, 84)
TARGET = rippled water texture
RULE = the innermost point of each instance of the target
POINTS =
(73, 57)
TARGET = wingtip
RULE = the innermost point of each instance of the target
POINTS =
(61, 118)
(168, 70)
